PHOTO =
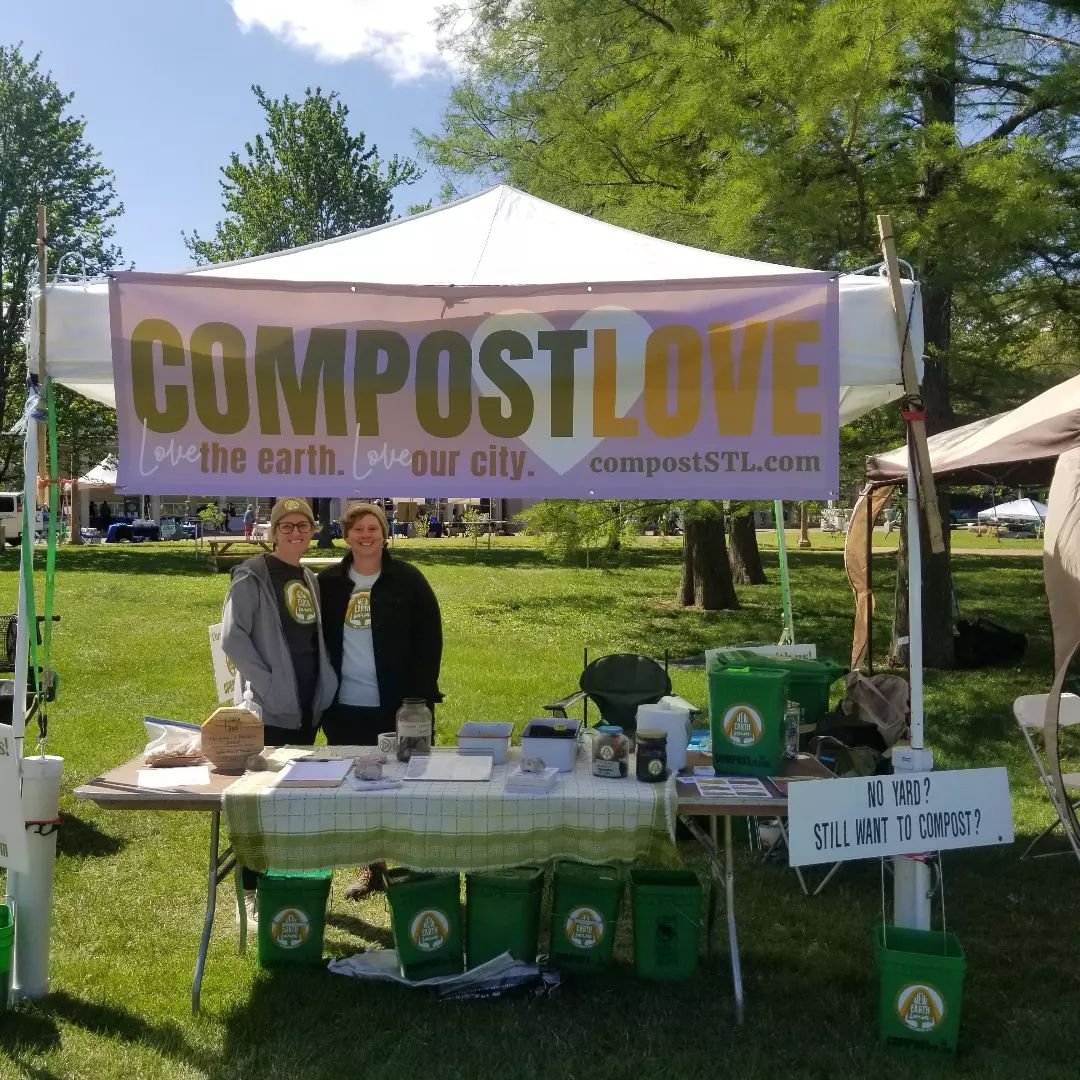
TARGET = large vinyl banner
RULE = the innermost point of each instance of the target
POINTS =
(688, 389)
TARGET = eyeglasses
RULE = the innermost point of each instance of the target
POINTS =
(301, 527)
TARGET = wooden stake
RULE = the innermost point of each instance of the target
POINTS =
(923, 471)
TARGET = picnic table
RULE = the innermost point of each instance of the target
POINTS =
(220, 546)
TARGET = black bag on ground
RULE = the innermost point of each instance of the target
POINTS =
(982, 643)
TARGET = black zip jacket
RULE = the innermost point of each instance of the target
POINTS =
(406, 628)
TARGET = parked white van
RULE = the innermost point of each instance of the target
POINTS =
(11, 503)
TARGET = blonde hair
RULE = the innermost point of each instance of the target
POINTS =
(355, 511)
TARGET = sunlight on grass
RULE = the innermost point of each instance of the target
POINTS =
(129, 886)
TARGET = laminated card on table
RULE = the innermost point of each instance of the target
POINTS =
(314, 773)
(449, 766)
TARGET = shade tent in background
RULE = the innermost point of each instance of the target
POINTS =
(1016, 447)
(1017, 510)
(498, 237)
(1037, 443)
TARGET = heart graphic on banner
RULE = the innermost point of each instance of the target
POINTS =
(562, 453)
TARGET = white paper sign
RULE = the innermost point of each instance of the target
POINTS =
(904, 814)
(224, 672)
(13, 853)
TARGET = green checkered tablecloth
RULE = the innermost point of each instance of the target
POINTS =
(449, 826)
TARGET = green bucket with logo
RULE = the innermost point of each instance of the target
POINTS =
(7, 952)
(667, 922)
(921, 979)
(425, 915)
(585, 903)
(292, 916)
(502, 914)
(746, 714)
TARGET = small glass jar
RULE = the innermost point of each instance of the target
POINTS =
(610, 752)
(793, 714)
(652, 756)
(413, 723)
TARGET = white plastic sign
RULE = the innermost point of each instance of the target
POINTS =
(13, 853)
(904, 814)
(224, 672)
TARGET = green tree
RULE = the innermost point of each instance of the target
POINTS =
(307, 178)
(777, 130)
(45, 159)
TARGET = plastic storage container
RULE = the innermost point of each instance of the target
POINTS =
(746, 713)
(667, 922)
(481, 737)
(292, 916)
(502, 914)
(921, 975)
(585, 904)
(556, 741)
(810, 681)
(425, 916)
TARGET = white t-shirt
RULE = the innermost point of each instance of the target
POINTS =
(359, 684)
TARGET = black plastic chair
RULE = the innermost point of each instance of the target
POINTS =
(8, 635)
(617, 684)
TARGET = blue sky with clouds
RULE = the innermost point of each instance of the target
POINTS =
(165, 90)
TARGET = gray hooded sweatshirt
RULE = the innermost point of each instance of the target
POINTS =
(254, 641)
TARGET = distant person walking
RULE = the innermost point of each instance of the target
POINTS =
(249, 521)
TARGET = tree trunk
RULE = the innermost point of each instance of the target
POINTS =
(938, 105)
(707, 583)
(686, 582)
(898, 649)
(326, 538)
(744, 556)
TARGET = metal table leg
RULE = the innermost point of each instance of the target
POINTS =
(722, 868)
(220, 865)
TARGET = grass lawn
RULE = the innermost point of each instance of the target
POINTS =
(129, 886)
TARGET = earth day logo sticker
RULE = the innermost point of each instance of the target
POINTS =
(585, 928)
(429, 930)
(743, 725)
(290, 928)
(920, 1007)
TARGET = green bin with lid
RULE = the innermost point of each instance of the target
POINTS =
(292, 916)
(585, 902)
(7, 952)
(746, 715)
(425, 917)
(502, 914)
(809, 681)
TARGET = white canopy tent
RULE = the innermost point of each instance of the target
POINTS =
(498, 237)
(1017, 510)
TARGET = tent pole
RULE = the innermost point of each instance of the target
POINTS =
(788, 636)
(911, 877)
(870, 580)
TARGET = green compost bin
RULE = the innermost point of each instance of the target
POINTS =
(921, 985)
(746, 714)
(585, 901)
(667, 923)
(809, 681)
(502, 914)
(7, 952)
(292, 916)
(425, 916)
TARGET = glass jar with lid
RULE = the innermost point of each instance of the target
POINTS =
(651, 756)
(413, 724)
(610, 751)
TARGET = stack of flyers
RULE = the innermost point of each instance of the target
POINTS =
(739, 788)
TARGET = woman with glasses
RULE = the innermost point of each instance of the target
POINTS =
(272, 632)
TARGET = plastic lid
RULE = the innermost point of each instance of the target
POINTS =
(609, 729)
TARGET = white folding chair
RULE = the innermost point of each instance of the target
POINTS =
(1030, 711)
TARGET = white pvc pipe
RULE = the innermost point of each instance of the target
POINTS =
(32, 889)
(22, 642)
(911, 877)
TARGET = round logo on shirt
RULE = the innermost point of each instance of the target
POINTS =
(299, 603)
(358, 611)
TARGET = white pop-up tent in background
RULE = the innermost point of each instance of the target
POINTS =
(499, 237)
